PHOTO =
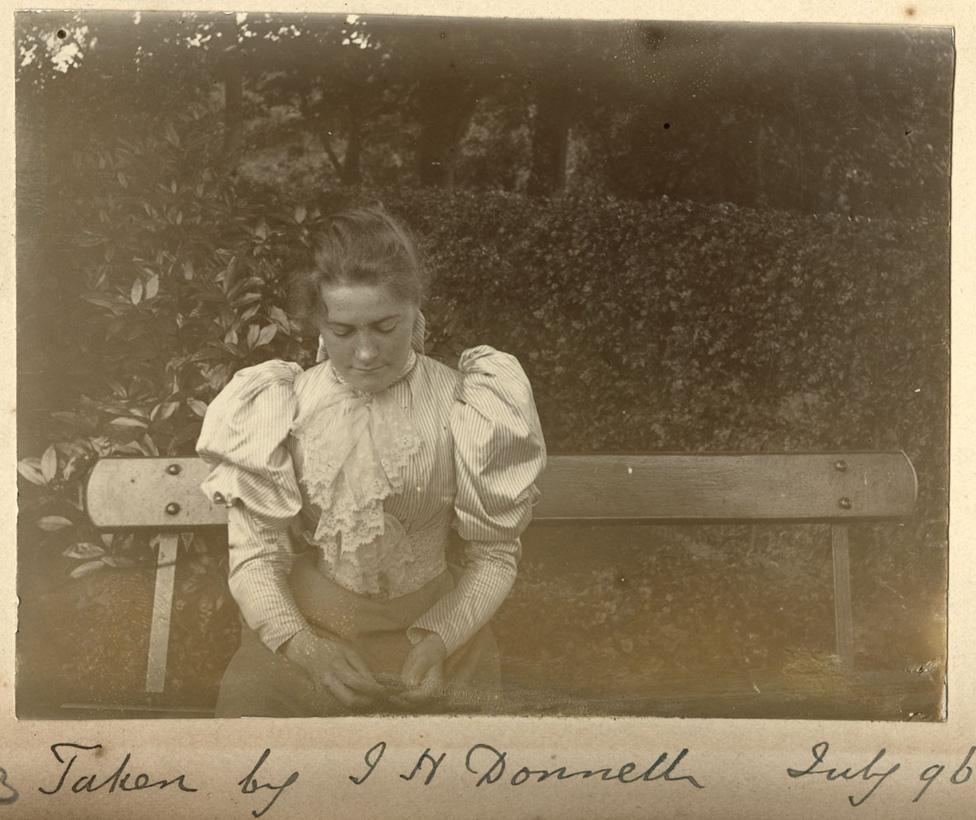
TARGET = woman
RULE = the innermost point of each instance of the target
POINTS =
(342, 483)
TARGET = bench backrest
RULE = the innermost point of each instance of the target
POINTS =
(164, 493)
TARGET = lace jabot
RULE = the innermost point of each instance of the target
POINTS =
(357, 445)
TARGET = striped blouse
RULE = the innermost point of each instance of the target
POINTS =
(288, 447)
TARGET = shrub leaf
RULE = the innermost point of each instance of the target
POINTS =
(52, 523)
(84, 550)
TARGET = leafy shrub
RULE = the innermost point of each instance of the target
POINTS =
(169, 281)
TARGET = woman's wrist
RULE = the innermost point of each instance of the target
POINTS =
(299, 647)
(438, 647)
(420, 634)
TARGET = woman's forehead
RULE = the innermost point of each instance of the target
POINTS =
(360, 304)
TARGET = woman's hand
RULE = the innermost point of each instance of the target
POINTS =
(423, 670)
(334, 665)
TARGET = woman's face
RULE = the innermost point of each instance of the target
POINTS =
(367, 333)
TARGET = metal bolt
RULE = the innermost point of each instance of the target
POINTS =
(840, 466)
(174, 469)
(172, 508)
(845, 503)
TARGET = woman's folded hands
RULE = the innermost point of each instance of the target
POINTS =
(423, 670)
(336, 666)
(342, 670)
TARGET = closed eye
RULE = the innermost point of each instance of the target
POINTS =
(387, 325)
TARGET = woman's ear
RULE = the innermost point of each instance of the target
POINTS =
(321, 354)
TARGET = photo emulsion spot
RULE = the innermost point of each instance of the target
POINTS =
(377, 365)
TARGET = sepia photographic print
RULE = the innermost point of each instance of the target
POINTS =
(393, 365)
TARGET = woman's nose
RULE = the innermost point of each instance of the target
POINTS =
(365, 351)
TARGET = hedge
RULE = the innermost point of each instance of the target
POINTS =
(685, 327)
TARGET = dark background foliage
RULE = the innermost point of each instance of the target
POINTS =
(694, 237)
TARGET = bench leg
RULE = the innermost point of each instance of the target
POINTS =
(843, 612)
(168, 546)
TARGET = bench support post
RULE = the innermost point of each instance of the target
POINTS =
(843, 611)
(168, 546)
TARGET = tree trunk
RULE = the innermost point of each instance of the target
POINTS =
(762, 196)
(36, 268)
(445, 109)
(232, 69)
(351, 170)
(318, 125)
(550, 140)
(233, 115)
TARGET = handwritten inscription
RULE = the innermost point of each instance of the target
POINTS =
(250, 784)
(489, 765)
(375, 754)
(868, 773)
(877, 771)
(372, 757)
(483, 755)
(8, 794)
(121, 779)
(932, 773)
(425, 758)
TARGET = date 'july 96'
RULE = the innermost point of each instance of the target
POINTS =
(484, 764)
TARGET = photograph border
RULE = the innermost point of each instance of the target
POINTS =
(743, 764)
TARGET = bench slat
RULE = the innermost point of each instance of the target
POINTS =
(714, 487)
(136, 492)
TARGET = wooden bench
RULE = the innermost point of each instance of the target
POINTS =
(163, 494)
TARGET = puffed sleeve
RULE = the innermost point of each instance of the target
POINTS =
(499, 454)
(243, 439)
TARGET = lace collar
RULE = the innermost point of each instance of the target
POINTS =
(366, 394)
(356, 447)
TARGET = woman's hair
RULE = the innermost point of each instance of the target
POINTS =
(362, 246)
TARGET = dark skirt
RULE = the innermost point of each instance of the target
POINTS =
(262, 683)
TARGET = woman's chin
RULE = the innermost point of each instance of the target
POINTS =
(371, 381)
